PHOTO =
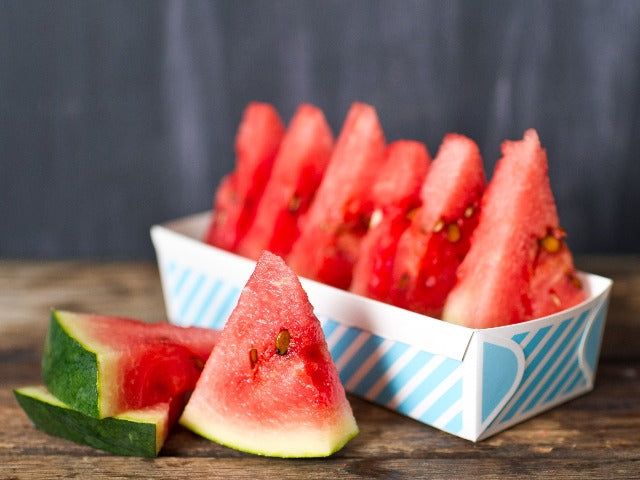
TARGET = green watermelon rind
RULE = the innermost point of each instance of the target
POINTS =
(138, 433)
(288, 449)
(70, 370)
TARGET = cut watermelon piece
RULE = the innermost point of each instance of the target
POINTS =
(257, 142)
(139, 433)
(396, 194)
(270, 386)
(518, 265)
(102, 366)
(338, 218)
(297, 172)
(430, 251)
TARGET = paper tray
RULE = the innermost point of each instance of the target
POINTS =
(470, 383)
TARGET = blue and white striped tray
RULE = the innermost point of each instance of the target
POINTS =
(471, 383)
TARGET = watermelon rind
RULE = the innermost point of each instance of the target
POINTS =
(138, 433)
(70, 368)
(298, 442)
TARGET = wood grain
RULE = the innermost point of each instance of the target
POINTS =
(594, 436)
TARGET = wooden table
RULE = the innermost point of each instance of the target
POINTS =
(594, 436)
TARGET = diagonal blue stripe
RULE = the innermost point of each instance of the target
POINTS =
(579, 379)
(455, 424)
(563, 382)
(380, 367)
(181, 280)
(192, 294)
(359, 358)
(533, 364)
(519, 337)
(434, 379)
(537, 338)
(443, 403)
(206, 303)
(224, 310)
(559, 359)
(403, 376)
(329, 326)
(344, 342)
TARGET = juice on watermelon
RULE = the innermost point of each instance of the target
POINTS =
(395, 194)
(518, 266)
(431, 249)
(296, 174)
(338, 218)
(257, 143)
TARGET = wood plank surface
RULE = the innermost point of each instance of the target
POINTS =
(594, 436)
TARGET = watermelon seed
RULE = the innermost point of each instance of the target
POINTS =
(555, 299)
(412, 213)
(438, 226)
(294, 203)
(453, 233)
(550, 243)
(468, 212)
(376, 218)
(282, 342)
(575, 281)
(253, 357)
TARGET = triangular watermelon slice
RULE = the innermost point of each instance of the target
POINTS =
(257, 143)
(297, 172)
(395, 195)
(333, 227)
(270, 386)
(430, 251)
(102, 366)
(519, 266)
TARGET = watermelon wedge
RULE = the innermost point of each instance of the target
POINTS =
(338, 218)
(430, 251)
(103, 366)
(297, 172)
(139, 433)
(519, 266)
(396, 194)
(270, 386)
(257, 143)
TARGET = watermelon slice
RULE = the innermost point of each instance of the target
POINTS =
(102, 366)
(270, 386)
(338, 218)
(518, 266)
(138, 433)
(395, 194)
(430, 251)
(257, 142)
(297, 171)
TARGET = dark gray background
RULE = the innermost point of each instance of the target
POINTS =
(117, 115)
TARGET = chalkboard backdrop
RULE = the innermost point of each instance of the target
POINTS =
(117, 115)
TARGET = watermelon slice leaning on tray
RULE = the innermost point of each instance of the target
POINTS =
(395, 194)
(431, 249)
(296, 174)
(103, 366)
(338, 218)
(257, 143)
(519, 266)
(270, 386)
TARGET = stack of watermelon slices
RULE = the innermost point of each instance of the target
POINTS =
(270, 386)
(380, 221)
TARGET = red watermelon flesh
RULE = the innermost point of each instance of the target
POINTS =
(297, 172)
(257, 142)
(338, 218)
(270, 387)
(518, 218)
(395, 195)
(431, 249)
(103, 365)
